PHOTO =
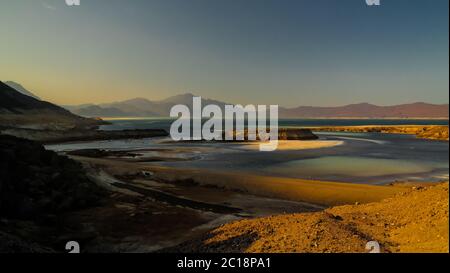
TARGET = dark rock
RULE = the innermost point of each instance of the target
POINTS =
(296, 134)
(34, 181)
(13, 244)
(283, 134)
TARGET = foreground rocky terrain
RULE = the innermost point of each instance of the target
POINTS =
(37, 187)
(412, 221)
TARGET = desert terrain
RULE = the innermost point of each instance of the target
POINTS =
(415, 220)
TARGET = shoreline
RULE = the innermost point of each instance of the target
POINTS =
(317, 192)
(173, 211)
(287, 118)
(431, 132)
(240, 199)
(48, 137)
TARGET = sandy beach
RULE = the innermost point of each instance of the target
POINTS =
(316, 192)
(286, 145)
(415, 220)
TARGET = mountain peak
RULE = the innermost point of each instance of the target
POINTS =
(184, 98)
(137, 100)
(18, 87)
(186, 95)
(361, 104)
(21, 111)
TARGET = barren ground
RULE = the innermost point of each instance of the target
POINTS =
(411, 221)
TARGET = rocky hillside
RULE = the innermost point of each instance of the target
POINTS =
(36, 187)
(19, 110)
(34, 180)
(414, 221)
(21, 89)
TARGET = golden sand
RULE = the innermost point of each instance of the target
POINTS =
(413, 221)
(286, 145)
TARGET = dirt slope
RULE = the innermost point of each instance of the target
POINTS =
(413, 221)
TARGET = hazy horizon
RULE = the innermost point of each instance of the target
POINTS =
(230, 102)
(291, 53)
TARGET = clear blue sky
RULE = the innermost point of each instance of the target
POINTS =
(287, 52)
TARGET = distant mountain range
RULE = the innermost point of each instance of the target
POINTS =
(24, 111)
(366, 110)
(141, 107)
(138, 107)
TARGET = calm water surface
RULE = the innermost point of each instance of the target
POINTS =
(363, 158)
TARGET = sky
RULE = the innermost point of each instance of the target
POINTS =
(286, 52)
